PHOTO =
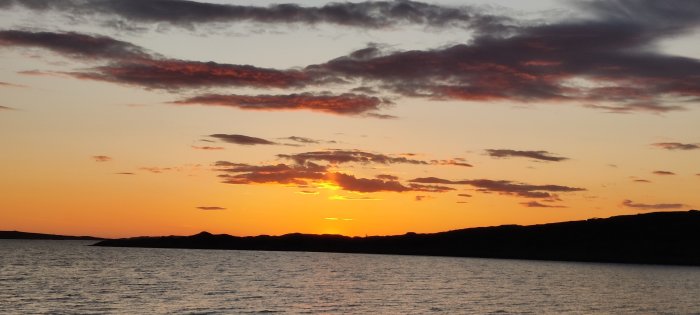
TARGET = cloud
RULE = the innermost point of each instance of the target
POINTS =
(172, 74)
(658, 206)
(303, 140)
(207, 148)
(189, 14)
(677, 146)
(242, 140)
(156, 170)
(133, 65)
(430, 188)
(633, 108)
(537, 155)
(348, 156)
(387, 177)
(454, 162)
(642, 181)
(308, 174)
(101, 158)
(6, 108)
(7, 84)
(351, 198)
(663, 173)
(609, 59)
(535, 204)
(366, 185)
(421, 197)
(465, 195)
(208, 208)
(343, 104)
(125, 173)
(503, 187)
(75, 45)
(279, 173)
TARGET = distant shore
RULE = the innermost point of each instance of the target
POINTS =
(650, 238)
(17, 235)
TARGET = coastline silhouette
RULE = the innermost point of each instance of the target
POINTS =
(650, 238)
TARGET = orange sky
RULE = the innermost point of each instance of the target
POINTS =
(121, 122)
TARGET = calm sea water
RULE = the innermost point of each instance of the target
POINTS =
(68, 277)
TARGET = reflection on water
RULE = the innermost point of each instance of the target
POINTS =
(70, 277)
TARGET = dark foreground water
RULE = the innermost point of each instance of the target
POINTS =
(68, 277)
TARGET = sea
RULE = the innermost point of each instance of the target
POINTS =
(71, 277)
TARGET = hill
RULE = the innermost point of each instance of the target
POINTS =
(650, 238)
(39, 236)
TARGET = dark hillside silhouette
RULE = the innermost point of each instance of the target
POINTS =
(39, 236)
(651, 238)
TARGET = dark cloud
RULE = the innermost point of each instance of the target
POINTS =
(307, 173)
(535, 204)
(464, 195)
(421, 197)
(387, 177)
(348, 156)
(503, 187)
(352, 183)
(5, 108)
(633, 108)
(242, 140)
(430, 188)
(642, 181)
(101, 158)
(207, 148)
(75, 45)
(677, 146)
(209, 208)
(537, 155)
(658, 206)
(177, 74)
(343, 104)
(188, 14)
(125, 173)
(133, 65)
(664, 173)
(379, 116)
(280, 173)
(455, 162)
(616, 47)
(303, 140)
(542, 63)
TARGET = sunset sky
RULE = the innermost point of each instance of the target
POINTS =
(133, 117)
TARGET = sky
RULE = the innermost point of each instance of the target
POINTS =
(131, 117)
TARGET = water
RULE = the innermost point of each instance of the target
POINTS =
(68, 277)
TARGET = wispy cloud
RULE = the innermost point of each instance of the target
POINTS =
(207, 148)
(503, 187)
(343, 104)
(349, 156)
(535, 204)
(242, 139)
(190, 14)
(537, 155)
(663, 173)
(101, 158)
(677, 146)
(657, 206)
(7, 84)
(210, 208)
